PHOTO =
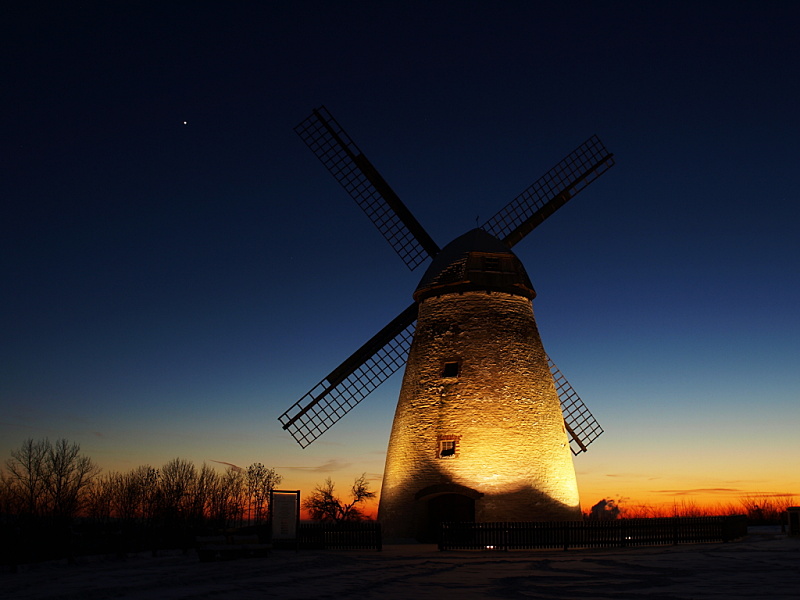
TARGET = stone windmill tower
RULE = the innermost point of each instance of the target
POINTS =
(486, 424)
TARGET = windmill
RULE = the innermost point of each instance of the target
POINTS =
(486, 424)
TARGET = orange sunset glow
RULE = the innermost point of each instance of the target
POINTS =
(199, 261)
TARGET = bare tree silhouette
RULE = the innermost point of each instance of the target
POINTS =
(260, 482)
(49, 480)
(324, 505)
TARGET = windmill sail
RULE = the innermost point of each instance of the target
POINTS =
(550, 192)
(352, 381)
(345, 161)
(581, 425)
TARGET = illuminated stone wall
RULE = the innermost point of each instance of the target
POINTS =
(502, 410)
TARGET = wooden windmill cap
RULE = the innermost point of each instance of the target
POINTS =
(475, 261)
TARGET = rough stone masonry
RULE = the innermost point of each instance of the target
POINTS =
(478, 432)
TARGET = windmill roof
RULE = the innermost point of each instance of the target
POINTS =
(475, 260)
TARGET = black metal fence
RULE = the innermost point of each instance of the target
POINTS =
(356, 535)
(591, 534)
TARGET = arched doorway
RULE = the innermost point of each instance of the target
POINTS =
(448, 508)
(443, 503)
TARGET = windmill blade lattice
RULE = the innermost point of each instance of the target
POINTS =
(352, 381)
(345, 161)
(550, 192)
(581, 425)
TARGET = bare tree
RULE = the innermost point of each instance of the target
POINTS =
(324, 505)
(100, 496)
(146, 481)
(25, 477)
(205, 484)
(45, 479)
(260, 482)
(233, 488)
(127, 495)
(68, 474)
(226, 498)
(177, 482)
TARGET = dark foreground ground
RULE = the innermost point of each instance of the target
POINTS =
(765, 565)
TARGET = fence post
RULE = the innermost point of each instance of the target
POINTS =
(675, 526)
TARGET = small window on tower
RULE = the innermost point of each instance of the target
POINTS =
(451, 369)
(447, 448)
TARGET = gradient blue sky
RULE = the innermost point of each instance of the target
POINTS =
(168, 289)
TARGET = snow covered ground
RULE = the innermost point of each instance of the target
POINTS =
(765, 565)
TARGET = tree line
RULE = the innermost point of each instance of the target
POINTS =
(53, 481)
(55, 502)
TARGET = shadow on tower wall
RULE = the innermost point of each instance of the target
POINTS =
(427, 508)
